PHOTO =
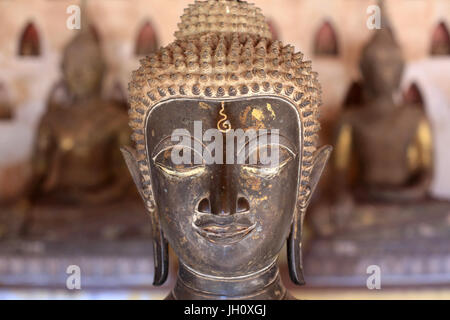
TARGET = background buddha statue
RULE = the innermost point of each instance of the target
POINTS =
(76, 157)
(383, 149)
(381, 214)
(226, 221)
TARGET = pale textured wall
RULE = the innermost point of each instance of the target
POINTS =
(432, 76)
(30, 79)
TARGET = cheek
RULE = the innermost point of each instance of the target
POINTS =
(166, 202)
(274, 201)
(276, 210)
(176, 199)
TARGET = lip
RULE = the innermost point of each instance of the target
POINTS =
(223, 229)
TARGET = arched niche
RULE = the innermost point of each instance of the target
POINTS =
(147, 40)
(273, 29)
(354, 96)
(6, 112)
(29, 42)
(440, 40)
(412, 95)
(325, 41)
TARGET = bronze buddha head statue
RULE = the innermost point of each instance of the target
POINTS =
(225, 122)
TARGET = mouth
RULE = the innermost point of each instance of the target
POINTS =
(223, 229)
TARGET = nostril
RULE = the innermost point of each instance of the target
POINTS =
(204, 206)
(242, 205)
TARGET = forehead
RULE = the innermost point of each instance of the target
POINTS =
(243, 113)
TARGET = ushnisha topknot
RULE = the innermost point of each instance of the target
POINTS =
(222, 16)
(207, 63)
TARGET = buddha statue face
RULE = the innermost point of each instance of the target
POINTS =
(83, 65)
(225, 122)
(227, 215)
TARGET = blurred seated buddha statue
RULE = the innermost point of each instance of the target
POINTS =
(384, 148)
(380, 213)
(76, 157)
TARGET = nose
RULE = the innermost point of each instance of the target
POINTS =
(241, 205)
(204, 206)
(224, 198)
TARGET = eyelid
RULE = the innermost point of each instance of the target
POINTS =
(264, 171)
(189, 171)
(171, 147)
(282, 141)
(292, 156)
(269, 171)
(193, 171)
(291, 152)
(167, 143)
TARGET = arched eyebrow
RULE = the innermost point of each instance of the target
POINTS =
(167, 143)
(283, 141)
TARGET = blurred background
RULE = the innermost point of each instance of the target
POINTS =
(66, 198)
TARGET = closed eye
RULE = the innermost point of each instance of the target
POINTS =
(268, 160)
(179, 161)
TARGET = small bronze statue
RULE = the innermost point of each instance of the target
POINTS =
(75, 158)
(226, 221)
(389, 144)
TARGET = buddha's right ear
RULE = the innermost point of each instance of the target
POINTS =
(160, 245)
(133, 166)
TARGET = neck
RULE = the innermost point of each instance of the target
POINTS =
(260, 285)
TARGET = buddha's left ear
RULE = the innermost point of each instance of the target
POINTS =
(294, 243)
(320, 159)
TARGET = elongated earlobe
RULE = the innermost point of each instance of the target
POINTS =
(294, 242)
(161, 258)
(160, 245)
